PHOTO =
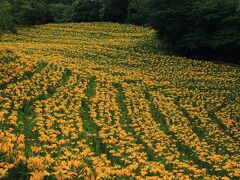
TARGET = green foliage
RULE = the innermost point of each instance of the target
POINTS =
(19, 172)
(60, 12)
(31, 12)
(86, 11)
(114, 10)
(6, 19)
(65, 2)
(137, 12)
(206, 29)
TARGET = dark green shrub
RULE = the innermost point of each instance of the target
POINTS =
(114, 10)
(137, 12)
(86, 11)
(198, 28)
(31, 12)
(60, 12)
(6, 19)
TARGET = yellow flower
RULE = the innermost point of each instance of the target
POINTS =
(36, 163)
(36, 149)
(38, 175)
(20, 139)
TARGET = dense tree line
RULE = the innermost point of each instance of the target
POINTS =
(6, 19)
(197, 28)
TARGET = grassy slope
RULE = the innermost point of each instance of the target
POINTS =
(98, 100)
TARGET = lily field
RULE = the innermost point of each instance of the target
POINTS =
(99, 101)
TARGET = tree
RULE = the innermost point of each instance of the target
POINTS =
(137, 12)
(60, 12)
(86, 11)
(6, 20)
(115, 10)
(65, 2)
(31, 12)
(201, 28)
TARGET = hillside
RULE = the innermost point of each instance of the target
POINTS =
(96, 100)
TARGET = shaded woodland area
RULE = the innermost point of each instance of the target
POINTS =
(203, 29)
